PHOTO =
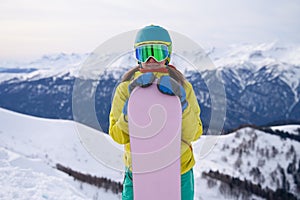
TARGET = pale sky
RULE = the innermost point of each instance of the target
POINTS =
(32, 28)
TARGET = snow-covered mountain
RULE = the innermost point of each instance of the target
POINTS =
(30, 148)
(253, 155)
(261, 84)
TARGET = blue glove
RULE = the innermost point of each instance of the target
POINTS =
(169, 86)
(144, 80)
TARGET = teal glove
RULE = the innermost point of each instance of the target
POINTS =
(144, 80)
(169, 86)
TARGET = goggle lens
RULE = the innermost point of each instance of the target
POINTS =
(157, 51)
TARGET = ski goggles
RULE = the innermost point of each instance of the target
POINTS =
(157, 51)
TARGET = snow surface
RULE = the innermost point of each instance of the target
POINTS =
(30, 147)
(23, 178)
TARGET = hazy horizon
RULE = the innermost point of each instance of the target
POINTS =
(33, 28)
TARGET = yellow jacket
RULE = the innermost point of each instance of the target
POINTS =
(191, 123)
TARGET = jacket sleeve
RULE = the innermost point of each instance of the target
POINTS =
(118, 126)
(191, 122)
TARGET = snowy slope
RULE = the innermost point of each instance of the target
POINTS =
(30, 147)
(253, 155)
(54, 141)
(24, 178)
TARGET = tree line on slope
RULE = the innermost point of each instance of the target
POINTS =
(100, 182)
(236, 187)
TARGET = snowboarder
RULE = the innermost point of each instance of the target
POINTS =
(153, 47)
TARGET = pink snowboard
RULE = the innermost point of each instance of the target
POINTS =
(155, 137)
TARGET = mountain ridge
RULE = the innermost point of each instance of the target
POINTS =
(261, 86)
